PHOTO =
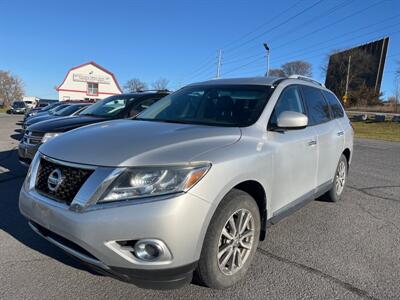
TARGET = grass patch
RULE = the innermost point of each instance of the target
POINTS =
(388, 131)
(3, 110)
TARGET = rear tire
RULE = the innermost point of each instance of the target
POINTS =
(339, 181)
(230, 242)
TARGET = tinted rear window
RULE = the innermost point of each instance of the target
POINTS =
(336, 108)
(318, 108)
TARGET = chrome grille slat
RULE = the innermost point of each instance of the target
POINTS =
(32, 138)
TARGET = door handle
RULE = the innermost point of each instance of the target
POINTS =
(340, 133)
(312, 143)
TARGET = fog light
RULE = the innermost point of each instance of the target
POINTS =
(148, 250)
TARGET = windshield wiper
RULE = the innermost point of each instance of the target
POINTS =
(163, 120)
(93, 115)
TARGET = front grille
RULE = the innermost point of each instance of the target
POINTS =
(32, 137)
(63, 241)
(73, 179)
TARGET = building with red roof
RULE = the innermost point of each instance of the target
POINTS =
(88, 81)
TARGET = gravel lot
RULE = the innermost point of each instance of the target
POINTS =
(346, 250)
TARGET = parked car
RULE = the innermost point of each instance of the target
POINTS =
(114, 107)
(193, 183)
(17, 107)
(39, 106)
(44, 110)
(67, 109)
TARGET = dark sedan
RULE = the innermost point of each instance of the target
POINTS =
(114, 107)
(43, 110)
(18, 107)
(60, 111)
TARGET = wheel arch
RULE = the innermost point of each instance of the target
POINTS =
(347, 153)
(257, 192)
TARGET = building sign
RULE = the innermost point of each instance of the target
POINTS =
(92, 78)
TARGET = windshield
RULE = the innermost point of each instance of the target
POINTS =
(69, 110)
(57, 108)
(228, 105)
(49, 107)
(109, 107)
(18, 104)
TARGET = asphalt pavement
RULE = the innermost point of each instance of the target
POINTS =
(344, 250)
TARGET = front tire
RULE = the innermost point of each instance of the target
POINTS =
(230, 242)
(339, 181)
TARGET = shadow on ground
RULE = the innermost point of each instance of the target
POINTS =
(11, 220)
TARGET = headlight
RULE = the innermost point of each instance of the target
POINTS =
(49, 136)
(146, 182)
(29, 182)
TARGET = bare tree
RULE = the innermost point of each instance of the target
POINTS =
(325, 64)
(134, 85)
(160, 84)
(297, 67)
(276, 72)
(11, 88)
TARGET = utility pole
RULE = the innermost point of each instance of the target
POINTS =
(219, 60)
(346, 97)
(267, 48)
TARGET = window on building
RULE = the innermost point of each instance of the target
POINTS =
(93, 88)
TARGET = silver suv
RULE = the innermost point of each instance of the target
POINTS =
(193, 183)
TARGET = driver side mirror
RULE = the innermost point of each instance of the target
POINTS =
(288, 120)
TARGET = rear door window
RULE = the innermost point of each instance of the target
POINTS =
(336, 108)
(317, 107)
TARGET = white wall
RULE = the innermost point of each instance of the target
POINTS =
(73, 89)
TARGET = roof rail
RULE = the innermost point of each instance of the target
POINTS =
(305, 78)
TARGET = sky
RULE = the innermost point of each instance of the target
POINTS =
(179, 40)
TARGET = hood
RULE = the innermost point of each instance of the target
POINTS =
(138, 143)
(37, 119)
(63, 124)
(40, 113)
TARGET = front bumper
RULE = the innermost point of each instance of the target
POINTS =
(178, 222)
(26, 152)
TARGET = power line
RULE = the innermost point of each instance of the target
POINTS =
(242, 66)
(226, 47)
(277, 26)
(247, 34)
(281, 59)
(314, 19)
(331, 10)
(204, 68)
(330, 24)
(330, 40)
(242, 59)
(342, 35)
(308, 57)
(204, 65)
(324, 14)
